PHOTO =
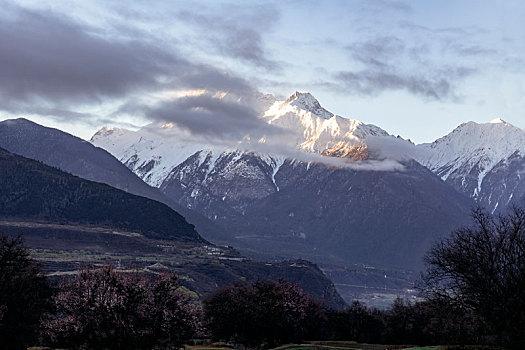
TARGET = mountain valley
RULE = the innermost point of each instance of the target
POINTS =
(363, 204)
(70, 222)
(347, 198)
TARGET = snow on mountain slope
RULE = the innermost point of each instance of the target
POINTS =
(280, 195)
(148, 154)
(155, 150)
(315, 128)
(472, 153)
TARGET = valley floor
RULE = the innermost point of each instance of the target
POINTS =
(349, 345)
(64, 249)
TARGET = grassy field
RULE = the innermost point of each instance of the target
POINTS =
(348, 345)
(331, 345)
(338, 345)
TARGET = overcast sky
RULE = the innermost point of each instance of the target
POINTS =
(415, 68)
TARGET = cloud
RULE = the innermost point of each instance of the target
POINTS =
(378, 51)
(472, 50)
(64, 114)
(392, 5)
(55, 66)
(437, 87)
(55, 59)
(204, 115)
(393, 148)
(388, 63)
(237, 31)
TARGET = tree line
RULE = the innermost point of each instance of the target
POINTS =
(474, 293)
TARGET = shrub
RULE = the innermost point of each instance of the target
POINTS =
(263, 313)
(109, 309)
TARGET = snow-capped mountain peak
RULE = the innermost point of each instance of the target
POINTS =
(305, 101)
(105, 132)
(471, 155)
(497, 121)
(302, 104)
(315, 128)
(488, 142)
(153, 154)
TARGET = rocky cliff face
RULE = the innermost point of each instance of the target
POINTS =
(323, 213)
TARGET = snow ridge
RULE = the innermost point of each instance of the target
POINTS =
(311, 128)
(472, 149)
(314, 128)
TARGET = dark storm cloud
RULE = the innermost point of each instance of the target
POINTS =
(388, 64)
(206, 115)
(237, 31)
(51, 58)
(50, 65)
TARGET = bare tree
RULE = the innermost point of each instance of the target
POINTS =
(24, 294)
(482, 268)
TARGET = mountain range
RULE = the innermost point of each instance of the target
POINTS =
(336, 190)
(339, 192)
(79, 157)
(485, 162)
(70, 222)
(277, 205)
(482, 161)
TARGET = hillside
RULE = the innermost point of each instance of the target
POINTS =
(71, 154)
(32, 190)
(70, 222)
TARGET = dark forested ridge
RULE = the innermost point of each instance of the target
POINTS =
(71, 154)
(32, 190)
